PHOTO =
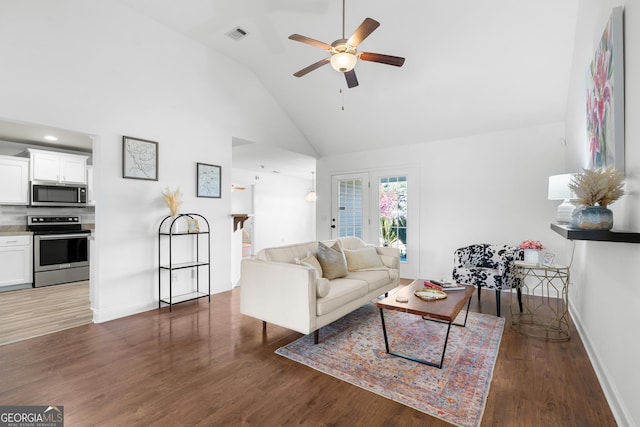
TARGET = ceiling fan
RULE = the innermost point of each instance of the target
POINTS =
(344, 54)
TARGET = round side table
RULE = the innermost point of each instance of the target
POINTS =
(544, 296)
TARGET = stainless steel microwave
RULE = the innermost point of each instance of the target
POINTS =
(47, 194)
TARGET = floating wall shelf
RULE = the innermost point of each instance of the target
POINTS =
(597, 235)
(239, 219)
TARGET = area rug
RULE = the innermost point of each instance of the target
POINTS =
(352, 349)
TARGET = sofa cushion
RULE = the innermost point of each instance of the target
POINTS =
(351, 242)
(342, 292)
(310, 261)
(362, 258)
(375, 278)
(287, 253)
(332, 261)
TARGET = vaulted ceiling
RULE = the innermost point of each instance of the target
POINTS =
(471, 66)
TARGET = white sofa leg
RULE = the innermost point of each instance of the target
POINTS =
(316, 336)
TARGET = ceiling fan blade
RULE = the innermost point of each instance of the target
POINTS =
(312, 67)
(308, 40)
(362, 32)
(352, 80)
(383, 59)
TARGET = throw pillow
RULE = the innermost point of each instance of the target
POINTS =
(323, 286)
(332, 261)
(311, 261)
(362, 258)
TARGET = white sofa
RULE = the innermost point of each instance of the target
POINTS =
(277, 287)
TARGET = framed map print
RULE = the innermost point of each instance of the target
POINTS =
(208, 178)
(139, 158)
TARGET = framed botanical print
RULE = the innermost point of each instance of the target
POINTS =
(139, 159)
(208, 180)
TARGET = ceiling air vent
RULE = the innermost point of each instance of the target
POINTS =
(237, 33)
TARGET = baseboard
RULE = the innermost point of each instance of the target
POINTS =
(620, 412)
(100, 316)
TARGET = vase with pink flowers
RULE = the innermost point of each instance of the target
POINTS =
(532, 250)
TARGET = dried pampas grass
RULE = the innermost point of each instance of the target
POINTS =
(173, 199)
(600, 186)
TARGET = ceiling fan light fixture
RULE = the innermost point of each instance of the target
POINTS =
(343, 61)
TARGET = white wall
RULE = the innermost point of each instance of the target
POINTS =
(605, 295)
(483, 189)
(281, 214)
(100, 68)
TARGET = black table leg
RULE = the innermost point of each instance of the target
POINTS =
(415, 359)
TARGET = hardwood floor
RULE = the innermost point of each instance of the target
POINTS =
(32, 312)
(206, 364)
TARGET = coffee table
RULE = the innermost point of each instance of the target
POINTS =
(441, 311)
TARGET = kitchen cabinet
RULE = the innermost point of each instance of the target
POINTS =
(14, 174)
(58, 167)
(90, 200)
(16, 267)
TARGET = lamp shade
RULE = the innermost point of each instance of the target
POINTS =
(559, 187)
(559, 190)
(343, 61)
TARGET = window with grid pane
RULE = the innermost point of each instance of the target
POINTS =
(392, 193)
(350, 208)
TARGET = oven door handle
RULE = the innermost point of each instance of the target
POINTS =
(60, 236)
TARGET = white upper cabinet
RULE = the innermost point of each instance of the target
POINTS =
(58, 167)
(14, 176)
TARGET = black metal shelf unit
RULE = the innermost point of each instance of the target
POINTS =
(597, 235)
(165, 238)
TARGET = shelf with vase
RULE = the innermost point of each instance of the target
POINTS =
(168, 235)
(596, 235)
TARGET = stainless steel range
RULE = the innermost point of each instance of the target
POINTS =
(60, 249)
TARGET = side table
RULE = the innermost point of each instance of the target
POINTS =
(544, 311)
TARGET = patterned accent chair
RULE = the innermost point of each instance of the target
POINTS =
(486, 265)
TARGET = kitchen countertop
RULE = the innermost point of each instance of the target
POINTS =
(21, 230)
(14, 230)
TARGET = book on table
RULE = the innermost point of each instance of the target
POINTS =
(443, 285)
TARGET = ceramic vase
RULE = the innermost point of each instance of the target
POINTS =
(532, 256)
(592, 218)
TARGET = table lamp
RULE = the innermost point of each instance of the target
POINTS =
(559, 190)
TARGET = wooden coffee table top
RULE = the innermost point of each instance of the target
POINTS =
(445, 309)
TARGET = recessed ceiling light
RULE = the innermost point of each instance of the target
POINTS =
(50, 138)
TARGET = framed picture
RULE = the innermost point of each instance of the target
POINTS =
(548, 259)
(605, 98)
(139, 159)
(192, 225)
(208, 178)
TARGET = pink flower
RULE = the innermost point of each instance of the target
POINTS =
(531, 244)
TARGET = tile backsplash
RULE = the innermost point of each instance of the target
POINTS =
(17, 215)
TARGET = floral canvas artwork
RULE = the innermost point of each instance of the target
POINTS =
(605, 98)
